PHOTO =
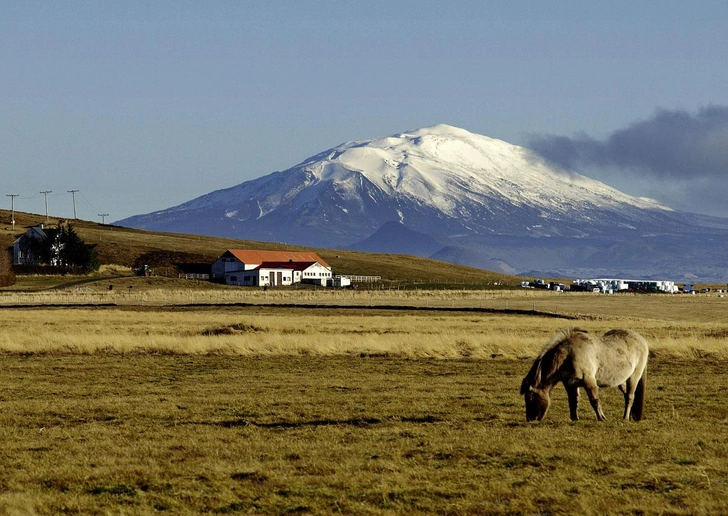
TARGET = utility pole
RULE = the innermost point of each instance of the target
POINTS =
(73, 193)
(12, 207)
(103, 217)
(46, 201)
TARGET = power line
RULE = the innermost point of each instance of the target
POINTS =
(12, 207)
(73, 193)
(80, 202)
(103, 217)
(84, 202)
(45, 193)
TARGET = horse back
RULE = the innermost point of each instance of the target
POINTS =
(627, 341)
(622, 354)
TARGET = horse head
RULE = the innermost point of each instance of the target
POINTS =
(544, 372)
(537, 401)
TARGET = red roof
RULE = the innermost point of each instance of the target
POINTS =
(258, 257)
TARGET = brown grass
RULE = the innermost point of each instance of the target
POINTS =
(166, 399)
(144, 433)
(397, 323)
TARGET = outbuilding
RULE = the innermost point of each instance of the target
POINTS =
(270, 268)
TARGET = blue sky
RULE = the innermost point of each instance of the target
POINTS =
(144, 105)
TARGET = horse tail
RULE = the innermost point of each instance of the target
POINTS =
(638, 407)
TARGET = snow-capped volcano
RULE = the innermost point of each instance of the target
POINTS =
(450, 168)
(441, 179)
(459, 187)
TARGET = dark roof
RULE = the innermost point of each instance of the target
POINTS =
(42, 232)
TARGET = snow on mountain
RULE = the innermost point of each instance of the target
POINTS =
(441, 181)
(447, 167)
(470, 183)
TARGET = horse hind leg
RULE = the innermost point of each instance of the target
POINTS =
(628, 389)
(634, 398)
(573, 392)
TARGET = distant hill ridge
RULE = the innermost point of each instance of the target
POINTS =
(126, 246)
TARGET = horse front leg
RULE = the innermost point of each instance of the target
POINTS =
(592, 391)
(573, 392)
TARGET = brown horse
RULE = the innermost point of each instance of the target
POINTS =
(577, 358)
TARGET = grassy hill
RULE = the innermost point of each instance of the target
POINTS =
(130, 247)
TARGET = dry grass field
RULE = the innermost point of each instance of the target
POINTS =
(227, 401)
(142, 434)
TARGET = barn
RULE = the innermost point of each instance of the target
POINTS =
(257, 268)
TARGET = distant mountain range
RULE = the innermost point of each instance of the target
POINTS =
(449, 194)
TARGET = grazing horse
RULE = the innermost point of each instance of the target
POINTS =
(577, 358)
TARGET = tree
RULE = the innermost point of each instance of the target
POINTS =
(7, 274)
(74, 254)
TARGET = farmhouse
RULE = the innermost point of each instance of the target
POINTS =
(39, 245)
(270, 268)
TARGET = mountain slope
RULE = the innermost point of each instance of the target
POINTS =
(439, 180)
(452, 186)
(395, 238)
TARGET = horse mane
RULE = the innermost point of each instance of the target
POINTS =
(550, 359)
(559, 338)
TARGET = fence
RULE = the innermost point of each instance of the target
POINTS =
(360, 279)
(195, 276)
